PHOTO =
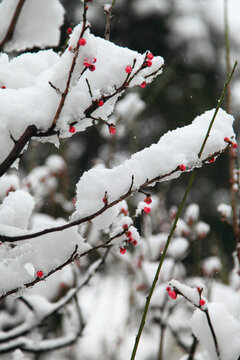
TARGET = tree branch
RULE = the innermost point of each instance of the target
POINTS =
(12, 24)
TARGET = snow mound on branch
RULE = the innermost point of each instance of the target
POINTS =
(228, 336)
(19, 264)
(16, 209)
(36, 102)
(180, 146)
(38, 24)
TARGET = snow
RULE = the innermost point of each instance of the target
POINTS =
(192, 213)
(16, 209)
(38, 24)
(202, 229)
(228, 336)
(225, 210)
(191, 294)
(7, 183)
(178, 248)
(211, 265)
(182, 146)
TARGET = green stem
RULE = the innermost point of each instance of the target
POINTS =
(192, 177)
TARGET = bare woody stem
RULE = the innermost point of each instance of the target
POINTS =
(190, 182)
(12, 24)
(213, 333)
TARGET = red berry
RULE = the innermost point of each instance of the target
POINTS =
(125, 227)
(112, 130)
(150, 56)
(134, 242)
(148, 200)
(92, 68)
(168, 288)
(148, 63)
(147, 209)
(69, 31)
(124, 211)
(182, 167)
(105, 200)
(172, 294)
(100, 103)
(3, 87)
(226, 139)
(234, 145)
(122, 251)
(94, 60)
(87, 63)
(143, 84)
(128, 69)
(70, 48)
(211, 160)
(40, 274)
(72, 129)
(202, 302)
(128, 234)
(82, 42)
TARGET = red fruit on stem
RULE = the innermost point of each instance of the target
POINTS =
(234, 145)
(150, 56)
(211, 160)
(124, 211)
(82, 42)
(72, 129)
(147, 209)
(100, 103)
(226, 139)
(202, 302)
(92, 68)
(3, 87)
(125, 227)
(172, 294)
(168, 289)
(112, 130)
(148, 63)
(148, 200)
(128, 69)
(40, 274)
(87, 63)
(182, 167)
(128, 234)
(143, 84)
(134, 242)
(69, 31)
(123, 251)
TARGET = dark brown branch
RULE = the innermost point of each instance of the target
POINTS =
(12, 24)
(213, 333)
(193, 348)
(17, 148)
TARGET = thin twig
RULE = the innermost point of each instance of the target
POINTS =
(12, 24)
